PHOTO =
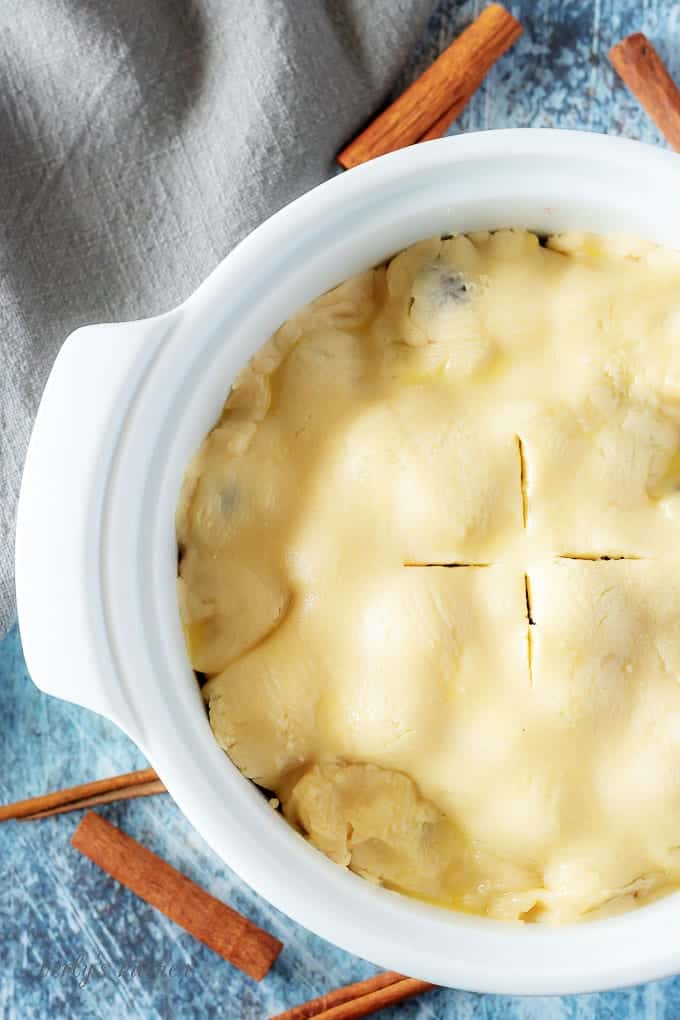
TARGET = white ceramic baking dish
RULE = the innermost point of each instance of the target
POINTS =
(125, 407)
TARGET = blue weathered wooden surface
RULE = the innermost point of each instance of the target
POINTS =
(74, 944)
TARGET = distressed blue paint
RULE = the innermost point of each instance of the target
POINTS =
(55, 907)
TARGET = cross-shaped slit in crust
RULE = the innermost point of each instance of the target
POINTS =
(596, 557)
(523, 481)
(448, 566)
(584, 557)
(530, 623)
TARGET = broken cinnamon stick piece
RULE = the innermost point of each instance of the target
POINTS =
(446, 86)
(209, 920)
(645, 74)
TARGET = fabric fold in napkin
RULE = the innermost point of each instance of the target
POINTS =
(140, 141)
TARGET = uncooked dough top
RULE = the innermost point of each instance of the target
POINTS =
(430, 564)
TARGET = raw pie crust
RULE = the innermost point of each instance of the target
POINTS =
(429, 564)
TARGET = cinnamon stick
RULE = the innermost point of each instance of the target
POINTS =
(312, 1009)
(442, 125)
(358, 1000)
(645, 74)
(442, 90)
(126, 793)
(212, 922)
(121, 787)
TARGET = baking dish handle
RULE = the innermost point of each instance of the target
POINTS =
(62, 619)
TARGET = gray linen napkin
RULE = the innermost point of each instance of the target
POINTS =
(140, 140)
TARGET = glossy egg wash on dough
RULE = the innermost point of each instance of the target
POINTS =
(430, 566)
